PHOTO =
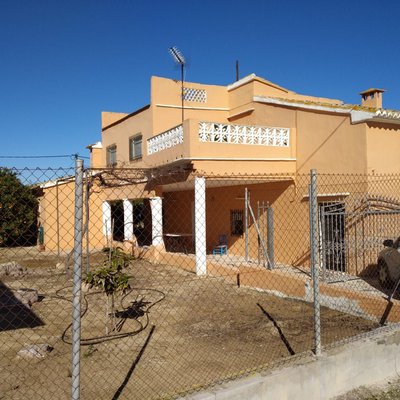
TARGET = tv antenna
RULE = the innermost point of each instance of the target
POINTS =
(180, 60)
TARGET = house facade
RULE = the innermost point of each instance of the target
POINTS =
(250, 126)
(209, 166)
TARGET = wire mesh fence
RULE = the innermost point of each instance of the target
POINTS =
(129, 283)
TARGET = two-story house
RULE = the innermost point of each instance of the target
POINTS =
(189, 174)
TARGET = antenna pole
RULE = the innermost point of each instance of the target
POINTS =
(179, 59)
(237, 70)
(182, 93)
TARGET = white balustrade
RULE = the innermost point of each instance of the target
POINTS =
(243, 134)
(165, 140)
(223, 133)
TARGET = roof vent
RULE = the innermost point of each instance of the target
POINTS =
(372, 98)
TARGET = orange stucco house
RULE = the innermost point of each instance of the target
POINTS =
(195, 169)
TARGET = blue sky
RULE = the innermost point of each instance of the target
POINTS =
(62, 63)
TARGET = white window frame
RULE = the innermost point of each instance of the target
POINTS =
(133, 141)
(111, 155)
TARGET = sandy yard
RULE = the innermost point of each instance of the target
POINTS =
(177, 333)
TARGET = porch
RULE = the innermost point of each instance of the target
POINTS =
(192, 217)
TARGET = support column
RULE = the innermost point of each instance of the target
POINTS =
(200, 225)
(107, 220)
(128, 219)
(156, 221)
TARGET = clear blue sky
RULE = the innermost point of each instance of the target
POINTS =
(63, 62)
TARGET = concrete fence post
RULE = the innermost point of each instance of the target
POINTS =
(314, 247)
(77, 281)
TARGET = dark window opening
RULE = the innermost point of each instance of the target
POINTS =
(117, 221)
(142, 222)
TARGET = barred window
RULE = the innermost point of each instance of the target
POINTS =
(112, 155)
(237, 222)
(135, 147)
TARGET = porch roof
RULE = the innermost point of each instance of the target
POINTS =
(214, 181)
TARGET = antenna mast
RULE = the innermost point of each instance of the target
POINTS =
(179, 59)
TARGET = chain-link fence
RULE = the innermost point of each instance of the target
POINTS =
(144, 284)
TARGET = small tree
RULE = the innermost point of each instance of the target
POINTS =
(110, 278)
(18, 210)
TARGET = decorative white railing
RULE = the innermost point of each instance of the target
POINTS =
(165, 140)
(243, 134)
(222, 133)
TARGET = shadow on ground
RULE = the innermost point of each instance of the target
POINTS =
(13, 313)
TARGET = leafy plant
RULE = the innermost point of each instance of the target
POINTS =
(117, 257)
(110, 278)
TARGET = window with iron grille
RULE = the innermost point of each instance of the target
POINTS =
(112, 155)
(237, 222)
(135, 147)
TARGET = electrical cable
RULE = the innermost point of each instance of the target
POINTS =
(49, 156)
(104, 338)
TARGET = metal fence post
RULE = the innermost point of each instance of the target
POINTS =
(270, 237)
(77, 280)
(87, 194)
(314, 258)
(322, 246)
(246, 223)
(200, 225)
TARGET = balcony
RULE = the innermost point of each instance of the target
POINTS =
(199, 141)
(165, 140)
(243, 134)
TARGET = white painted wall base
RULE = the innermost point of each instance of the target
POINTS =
(363, 362)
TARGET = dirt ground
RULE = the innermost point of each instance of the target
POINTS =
(177, 333)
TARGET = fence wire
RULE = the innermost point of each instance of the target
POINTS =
(166, 284)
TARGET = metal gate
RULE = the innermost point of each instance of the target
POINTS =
(332, 236)
(351, 234)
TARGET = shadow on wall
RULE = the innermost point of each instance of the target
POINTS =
(14, 314)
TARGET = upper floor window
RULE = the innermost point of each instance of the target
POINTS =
(135, 147)
(112, 155)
